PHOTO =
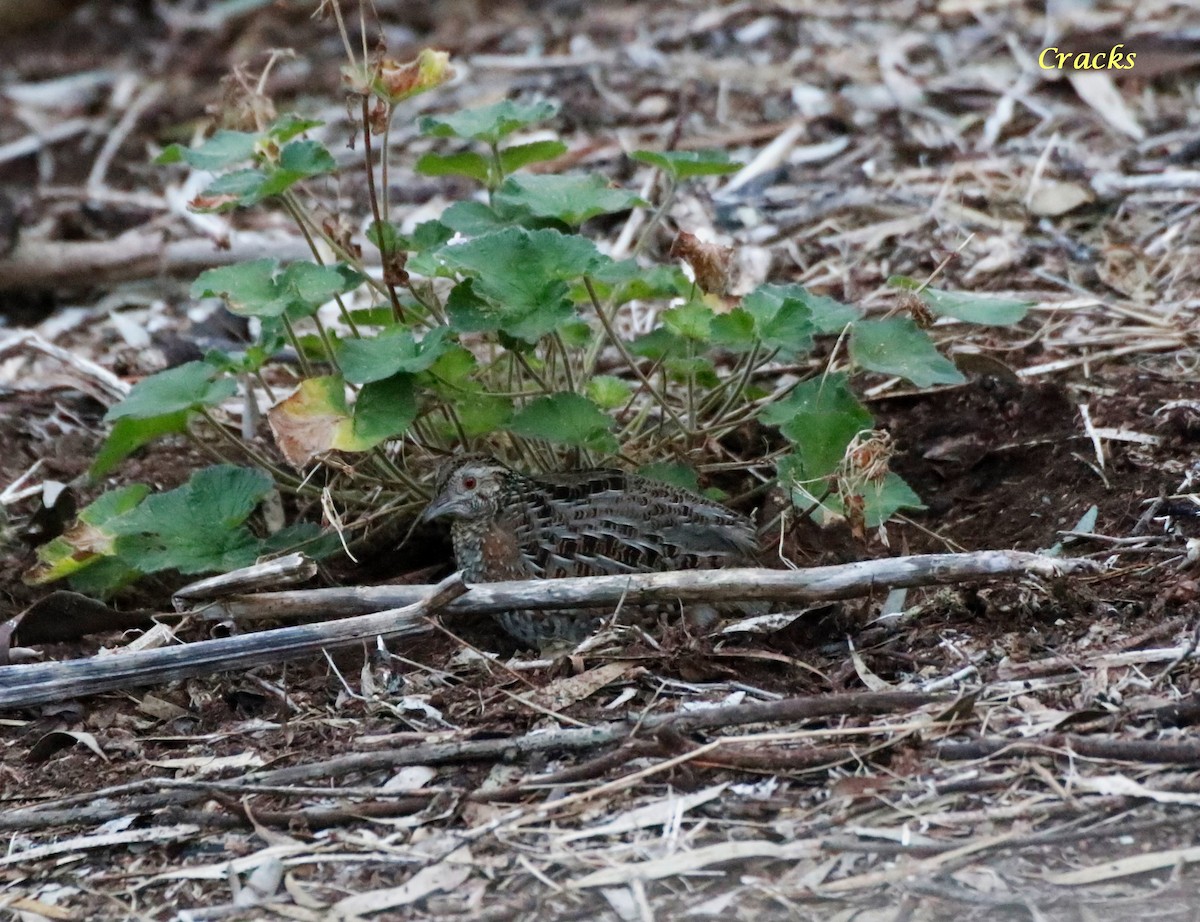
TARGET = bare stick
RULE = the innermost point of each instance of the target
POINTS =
(133, 255)
(21, 686)
(816, 584)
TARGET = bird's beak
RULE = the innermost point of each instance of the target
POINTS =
(439, 507)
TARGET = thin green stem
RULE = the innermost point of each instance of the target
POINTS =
(497, 171)
(565, 356)
(691, 388)
(524, 363)
(297, 214)
(279, 475)
(290, 332)
(616, 340)
(667, 200)
(377, 210)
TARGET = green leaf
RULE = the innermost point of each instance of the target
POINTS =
(386, 237)
(734, 330)
(608, 392)
(395, 349)
(375, 316)
(881, 500)
(897, 346)
(697, 367)
(303, 536)
(576, 333)
(571, 199)
(104, 577)
(223, 149)
(429, 235)
(289, 125)
(489, 124)
(467, 163)
(198, 527)
(620, 282)
(482, 414)
(384, 409)
(686, 164)
(298, 160)
(241, 187)
(522, 275)
(976, 309)
(259, 289)
(691, 321)
(451, 373)
(659, 344)
(821, 416)
(826, 315)
(88, 540)
(471, 219)
(565, 419)
(780, 321)
(187, 387)
(130, 434)
(519, 155)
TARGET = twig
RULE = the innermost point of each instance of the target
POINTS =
(21, 686)
(816, 584)
(135, 254)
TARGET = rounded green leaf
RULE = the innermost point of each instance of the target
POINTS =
(821, 417)
(609, 392)
(489, 124)
(384, 409)
(259, 289)
(691, 321)
(897, 346)
(565, 419)
(571, 199)
(187, 387)
(522, 275)
(395, 349)
(482, 414)
(466, 163)
(975, 309)
(223, 149)
(519, 155)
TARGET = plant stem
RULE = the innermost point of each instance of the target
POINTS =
(379, 212)
(660, 399)
(297, 214)
(667, 200)
(277, 473)
(566, 360)
(290, 332)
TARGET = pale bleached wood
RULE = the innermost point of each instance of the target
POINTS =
(795, 587)
(25, 685)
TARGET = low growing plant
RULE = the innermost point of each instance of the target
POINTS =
(499, 325)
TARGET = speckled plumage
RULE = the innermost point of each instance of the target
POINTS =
(507, 525)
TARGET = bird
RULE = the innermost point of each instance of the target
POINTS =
(507, 525)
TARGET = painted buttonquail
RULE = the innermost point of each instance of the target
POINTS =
(507, 525)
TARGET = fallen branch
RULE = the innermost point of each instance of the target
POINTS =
(799, 587)
(137, 254)
(21, 686)
(407, 606)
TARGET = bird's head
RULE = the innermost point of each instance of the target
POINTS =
(468, 490)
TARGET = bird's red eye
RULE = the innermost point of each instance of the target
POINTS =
(469, 483)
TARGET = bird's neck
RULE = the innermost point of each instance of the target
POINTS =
(487, 551)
